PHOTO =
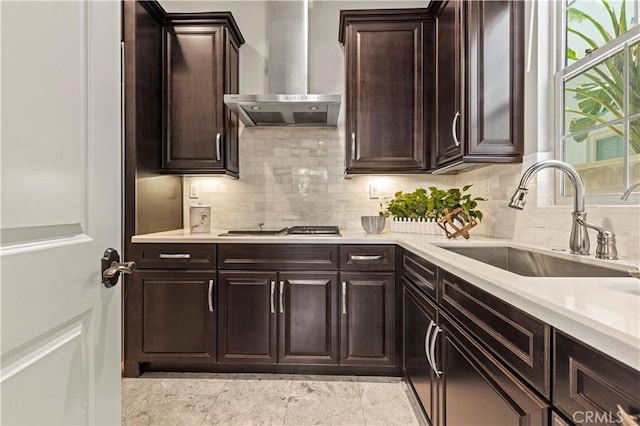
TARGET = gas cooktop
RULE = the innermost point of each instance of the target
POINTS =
(313, 230)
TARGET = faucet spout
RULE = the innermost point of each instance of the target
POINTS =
(579, 239)
(628, 192)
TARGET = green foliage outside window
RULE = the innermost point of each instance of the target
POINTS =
(600, 94)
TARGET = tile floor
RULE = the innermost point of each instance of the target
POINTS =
(265, 399)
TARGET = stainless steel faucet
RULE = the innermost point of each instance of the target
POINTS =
(579, 239)
(628, 192)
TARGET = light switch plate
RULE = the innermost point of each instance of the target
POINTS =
(194, 190)
(374, 192)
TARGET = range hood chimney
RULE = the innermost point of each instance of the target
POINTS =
(287, 102)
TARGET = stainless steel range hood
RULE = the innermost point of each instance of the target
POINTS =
(287, 102)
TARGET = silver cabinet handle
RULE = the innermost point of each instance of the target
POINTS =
(273, 297)
(426, 342)
(344, 297)
(353, 146)
(175, 256)
(210, 293)
(432, 350)
(626, 418)
(282, 297)
(218, 141)
(360, 257)
(454, 128)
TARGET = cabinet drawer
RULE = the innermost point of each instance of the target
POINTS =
(278, 256)
(175, 256)
(420, 272)
(589, 385)
(367, 258)
(520, 340)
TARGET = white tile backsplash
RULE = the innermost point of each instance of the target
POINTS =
(293, 176)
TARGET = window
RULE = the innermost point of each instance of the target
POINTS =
(598, 83)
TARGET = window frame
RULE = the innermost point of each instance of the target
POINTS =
(563, 73)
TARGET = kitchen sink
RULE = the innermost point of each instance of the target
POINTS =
(533, 264)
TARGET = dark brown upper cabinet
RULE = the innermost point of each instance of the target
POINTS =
(200, 65)
(386, 123)
(479, 90)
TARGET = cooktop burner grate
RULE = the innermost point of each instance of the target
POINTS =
(313, 230)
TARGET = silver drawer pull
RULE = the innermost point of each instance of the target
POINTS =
(360, 257)
(426, 342)
(175, 256)
(627, 419)
(210, 295)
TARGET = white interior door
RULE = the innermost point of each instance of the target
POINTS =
(61, 208)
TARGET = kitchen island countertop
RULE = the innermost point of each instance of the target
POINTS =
(602, 312)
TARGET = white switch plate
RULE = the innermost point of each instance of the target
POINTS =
(194, 190)
(373, 192)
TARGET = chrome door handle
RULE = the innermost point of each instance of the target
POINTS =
(454, 128)
(117, 267)
(218, 141)
(344, 297)
(426, 342)
(174, 256)
(210, 296)
(282, 297)
(432, 350)
(273, 295)
(111, 267)
(353, 146)
(359, 257)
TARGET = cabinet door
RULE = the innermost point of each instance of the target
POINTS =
(495, 70)
(450, 119)
(193, 107)
(385, 97)
(589, 386)
(247, 317)
(476, 389)
(308, 323)
(367, 332)
(417, 316)
(231, 125)
(175, 316)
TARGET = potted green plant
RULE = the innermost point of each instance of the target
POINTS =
(426, 206)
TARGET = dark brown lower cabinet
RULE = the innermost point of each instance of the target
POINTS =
(592, 388)
(456, 380)
(177, 315)
(418, 314)
(247, 323)
(367, 331)
(308, 318)
(278, 318)
(476, 389)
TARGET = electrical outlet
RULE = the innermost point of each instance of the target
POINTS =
(487, 187)
(374, 192)
(194, 190)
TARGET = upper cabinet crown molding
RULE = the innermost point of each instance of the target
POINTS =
(190, 18)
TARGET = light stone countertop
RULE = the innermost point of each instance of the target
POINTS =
(602, 312)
